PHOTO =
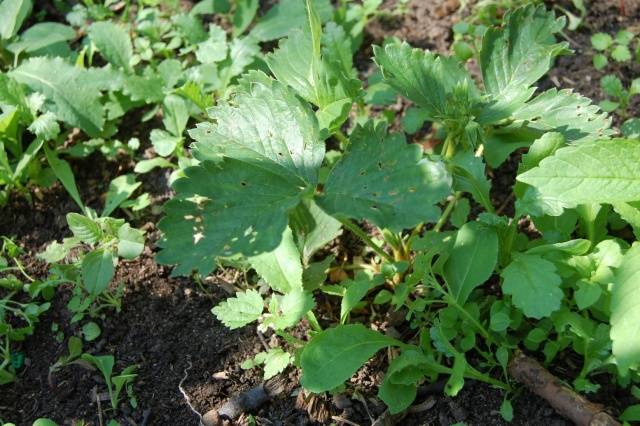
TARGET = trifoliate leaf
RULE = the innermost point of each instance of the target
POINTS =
(383, 179)
(513, 57)
(280, 268)
(565, 112)
(264, 123)
(625, 311)
(533, 284)
(259, 158)
(72, 100)
(334, 355)
(238, 311)
(113, 42)
(438, 84)
(602, 171)
(472, 259)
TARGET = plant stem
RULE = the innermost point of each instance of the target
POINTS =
(342, 138)
(366, 239)
(447, 211)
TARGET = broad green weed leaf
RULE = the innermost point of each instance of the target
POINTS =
(214, 48)
(565, 112)
(64, 173)
(333, 356)
(355, 291)
(12, 15)
(601, 41)
(472, 259)
(130, 242)
(275, 362)
(145, 166)
(287, 311)
(534, 285)
(87, 230)
(113, 42)
(238, 311)
(120, 189)
(383, 179)
(242, 52)
(176, 114)
(164, 143)
(287, 15)
(243, 15)
(280, 268)
(431, 81)
(41, 36)
(45, 126)
(73, 101)
(603, 171)
(91, 331)
(513, 57)
(625, 311)
(97, 271)
(469, 176)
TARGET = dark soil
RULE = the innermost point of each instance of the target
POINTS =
(167, 329)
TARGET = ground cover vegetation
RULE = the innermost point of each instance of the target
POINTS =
(290, 166)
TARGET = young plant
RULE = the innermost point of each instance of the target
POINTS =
(617, 48)
(115, 384)
(618, 97)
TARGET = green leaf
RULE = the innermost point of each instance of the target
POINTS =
(113, 42)
(355, 291)
(596, 172)
(280, 268)
(238, 311)
(275, 362)
(91, 331)
(600, 61)
(287, 311)
(413, 119)
(242, 52)
(506, 410)
(12, 15)
(513, 57)
(534, 285)
(438, 84)
(97, 271)
(472, 259)
(469, 176)
(214, 48)
(621, 53)
(313, 228)
(145, 166)
(163, 142)
(130, 242)
(45, 126)
(334, 355)
(287, 15)
(601, 41)
(87, 230)
(258, 159)
(565, 112)
(120, 189)
(74, 101)
(383, 179)
(64, 173)
(625, 311)
(631, 413)
(176, 114)
(41, 36)
(44, 422)
(243, 15)
(612, 86)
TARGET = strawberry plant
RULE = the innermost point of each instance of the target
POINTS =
(259, 192)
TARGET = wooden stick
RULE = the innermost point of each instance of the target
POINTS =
(564, 400)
